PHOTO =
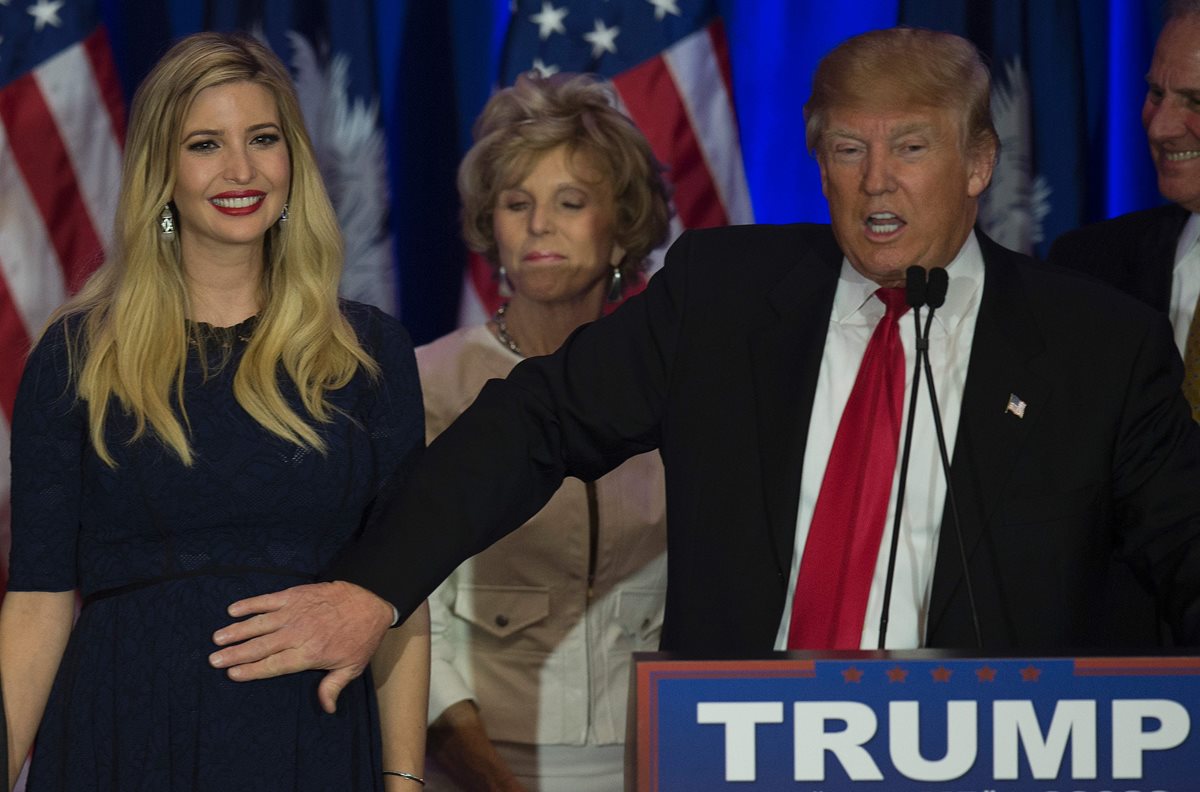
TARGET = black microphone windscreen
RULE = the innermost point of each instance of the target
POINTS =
(914, 286)
(935, 291)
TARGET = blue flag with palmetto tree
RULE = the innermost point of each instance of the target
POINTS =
(1067, 86)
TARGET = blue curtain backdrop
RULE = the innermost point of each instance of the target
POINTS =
(431, 65)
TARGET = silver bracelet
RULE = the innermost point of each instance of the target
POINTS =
(409, 776)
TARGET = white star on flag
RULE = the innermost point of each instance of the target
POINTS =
(664, 7)
(549, 20)
(45, 12)
(543, 69)
(603, 39)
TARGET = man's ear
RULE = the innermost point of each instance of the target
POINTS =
(982, 162)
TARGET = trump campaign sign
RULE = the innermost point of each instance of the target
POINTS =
(917, 722)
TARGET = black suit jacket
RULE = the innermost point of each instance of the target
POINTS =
(1134, 252)
(716, 365)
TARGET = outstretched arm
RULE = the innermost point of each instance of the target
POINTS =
(581, 411)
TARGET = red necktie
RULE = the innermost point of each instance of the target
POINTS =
(838, 563)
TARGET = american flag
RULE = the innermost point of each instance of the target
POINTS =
(62, 123)
(669, 63)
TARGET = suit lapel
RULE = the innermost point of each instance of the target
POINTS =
(1003, 363)
(1152, 274)
(785, 351)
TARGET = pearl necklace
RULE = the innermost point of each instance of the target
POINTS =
(502, 330)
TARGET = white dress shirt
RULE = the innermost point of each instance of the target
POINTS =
(1185, 280)
(855, 313)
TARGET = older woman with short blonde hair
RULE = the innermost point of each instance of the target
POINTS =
(532, 637)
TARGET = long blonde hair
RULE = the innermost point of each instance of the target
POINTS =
(126, 329)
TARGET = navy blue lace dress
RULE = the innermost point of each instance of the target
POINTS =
(158, 551)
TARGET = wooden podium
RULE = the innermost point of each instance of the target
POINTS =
(921, 721)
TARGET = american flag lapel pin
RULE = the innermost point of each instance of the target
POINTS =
(1016, 405)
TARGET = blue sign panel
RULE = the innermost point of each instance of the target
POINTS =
(920, 725)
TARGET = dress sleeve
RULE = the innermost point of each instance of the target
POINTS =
(396, 419)
(49, 435)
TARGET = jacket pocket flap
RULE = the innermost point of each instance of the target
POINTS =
(502, 610)
(640, 611)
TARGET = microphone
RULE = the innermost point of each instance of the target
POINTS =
(935, 290)
(935, 296)
(916, 294)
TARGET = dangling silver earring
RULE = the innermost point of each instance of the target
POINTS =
(615, 287)
(503, 288)
(166, 223)
(283, 217)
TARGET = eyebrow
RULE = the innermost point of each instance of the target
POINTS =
(220, 132)
(908, 129)
(577, 186)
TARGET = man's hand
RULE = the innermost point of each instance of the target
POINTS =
(333, 626)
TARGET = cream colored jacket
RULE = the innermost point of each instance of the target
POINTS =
(515, 628)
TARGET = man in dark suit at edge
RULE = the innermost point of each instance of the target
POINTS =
(747, 359)
(1152, 254)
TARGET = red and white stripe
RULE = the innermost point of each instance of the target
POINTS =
(691, 126)
(61, 132)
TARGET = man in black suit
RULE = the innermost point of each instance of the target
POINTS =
(1151, 254)
(1070, 439)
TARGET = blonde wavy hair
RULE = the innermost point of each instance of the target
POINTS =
(538, 114)
(127, 334)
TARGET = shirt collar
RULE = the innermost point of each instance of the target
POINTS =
(1187, 237)
(853, 301)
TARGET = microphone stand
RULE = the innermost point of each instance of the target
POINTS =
(915, 296)
(935, 296)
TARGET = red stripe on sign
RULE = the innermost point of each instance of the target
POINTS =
(99, 53)
(42, 159)
(14, 346)
(649, 94)
(720, 48)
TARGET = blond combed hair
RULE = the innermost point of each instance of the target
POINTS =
(904, 67)
(127, 332)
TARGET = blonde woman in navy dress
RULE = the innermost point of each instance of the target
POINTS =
(205, 421)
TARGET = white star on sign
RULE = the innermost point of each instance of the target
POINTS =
(543, 69)
(45, 12)
(549, 20)
(664, 7)
(603, 39)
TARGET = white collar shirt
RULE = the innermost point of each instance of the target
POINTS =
(1185, 280)
(852, 321)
